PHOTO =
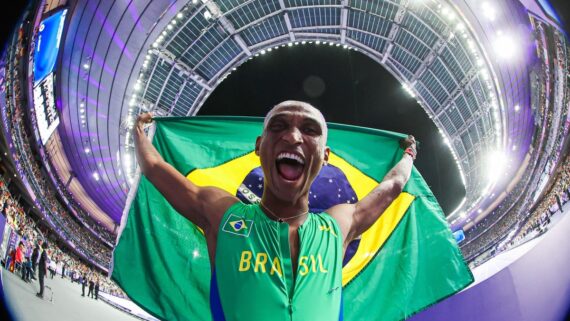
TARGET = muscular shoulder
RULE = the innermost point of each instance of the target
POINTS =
(343, 214)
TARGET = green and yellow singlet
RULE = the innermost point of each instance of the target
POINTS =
(253, 276)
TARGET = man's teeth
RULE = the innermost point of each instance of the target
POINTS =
(291, 156)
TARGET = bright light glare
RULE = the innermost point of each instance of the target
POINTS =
(489, 11)
(96, 176)
(495, 164)
(409, 90)
(505, 46)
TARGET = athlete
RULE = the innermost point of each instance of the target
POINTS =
(275, 260)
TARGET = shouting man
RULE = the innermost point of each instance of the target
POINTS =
(289, 265)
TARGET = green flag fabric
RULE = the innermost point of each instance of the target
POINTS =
(407, 261)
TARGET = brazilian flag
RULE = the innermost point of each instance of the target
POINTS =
(407, 261)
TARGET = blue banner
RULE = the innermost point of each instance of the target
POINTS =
(47, 45)
(459, 236)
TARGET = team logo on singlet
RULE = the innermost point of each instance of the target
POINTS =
(237, 225)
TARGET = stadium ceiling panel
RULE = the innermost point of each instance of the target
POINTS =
(121, 58)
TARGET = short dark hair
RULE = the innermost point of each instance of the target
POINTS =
(45, 245)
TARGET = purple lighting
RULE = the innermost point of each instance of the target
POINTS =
(134, 12)
(112, 31)
(97, 59)
(83, 74)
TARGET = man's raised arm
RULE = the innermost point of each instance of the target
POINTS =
(355, 219)
(204, 206)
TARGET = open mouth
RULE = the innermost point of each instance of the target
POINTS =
(290, 166)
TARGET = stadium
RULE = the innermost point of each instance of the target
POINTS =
(491, 78)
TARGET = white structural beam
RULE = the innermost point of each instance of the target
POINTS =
(287, 20)
(181, 66)
(227, 25)
(343, 21)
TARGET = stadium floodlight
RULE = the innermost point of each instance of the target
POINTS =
(87, 150)
(517, 107)
(85, 66)
(489, 11)
(505, 45)
(127, 160)
(207, 15)
(409, 90)
(495, 165)
(96, 176)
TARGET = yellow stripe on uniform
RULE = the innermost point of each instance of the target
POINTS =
(228, 176)
(373, 239)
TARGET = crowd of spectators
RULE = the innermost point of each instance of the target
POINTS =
(512, 215)
(29, 169)
(539, 218)
(96, 227)
(501, 210)
(62, 263)
(523, 223)
(17, 102)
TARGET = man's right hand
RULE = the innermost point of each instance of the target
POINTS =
(143, 119)
(204, 206)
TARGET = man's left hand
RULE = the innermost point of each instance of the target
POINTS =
(409, 146)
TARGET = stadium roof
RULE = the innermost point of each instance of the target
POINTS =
(468, 68)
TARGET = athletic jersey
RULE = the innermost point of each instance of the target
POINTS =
(253, 277)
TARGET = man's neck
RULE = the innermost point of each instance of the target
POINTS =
(292, 212)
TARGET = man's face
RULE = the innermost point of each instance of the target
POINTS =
(292, 149)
